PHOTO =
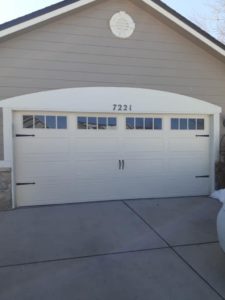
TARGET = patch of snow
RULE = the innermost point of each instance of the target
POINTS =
(219, 195)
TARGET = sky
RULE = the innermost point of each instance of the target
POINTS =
(189, 7)
(11, 9)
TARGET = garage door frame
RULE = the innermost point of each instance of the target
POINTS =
(107, 100)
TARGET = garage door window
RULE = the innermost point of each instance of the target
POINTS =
(187, 124)
(200, 124)
(92, 123)
(100, 123)
(144, 123)
(183, 124)
(28, 121)
(191, 124)
(157, 124)
(61, 122)
(39, 121)
(148, 123)
(112, 123)
(139, 123)
(51, 122)
(44, 122)
(130, 123)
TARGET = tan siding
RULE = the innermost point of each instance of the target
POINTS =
(143, 76)
(79, 50)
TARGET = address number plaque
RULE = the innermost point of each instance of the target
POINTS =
(122, 107)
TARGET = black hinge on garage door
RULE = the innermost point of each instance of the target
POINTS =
(25, 135)
(202, 135)
(25, 183)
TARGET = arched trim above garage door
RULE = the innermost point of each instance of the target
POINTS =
(102, 99)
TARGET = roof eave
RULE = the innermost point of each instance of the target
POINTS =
(45, 15)
(184, 24)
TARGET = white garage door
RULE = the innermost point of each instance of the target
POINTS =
(62, 158)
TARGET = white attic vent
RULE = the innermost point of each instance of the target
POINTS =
(122, 25)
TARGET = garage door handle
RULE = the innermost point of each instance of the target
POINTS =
(120, 164)
(123, 164)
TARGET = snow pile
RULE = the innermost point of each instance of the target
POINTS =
(220, 195)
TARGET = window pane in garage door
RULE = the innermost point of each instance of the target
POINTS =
(81, 122)
(130, 123)
(183, 124)
(112, 122)
(102, 123)
(157, 123)
(139, 123)
(192, 124)
(28, 121)
(61, 122)
(148, 123)
(51, 122)
(39, 121)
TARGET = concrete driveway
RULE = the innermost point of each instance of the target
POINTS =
(134, 250)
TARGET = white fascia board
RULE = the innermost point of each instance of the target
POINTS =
(102, 99)
(44, 17)
(183, 25)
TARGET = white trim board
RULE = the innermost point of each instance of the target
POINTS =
(81, 3)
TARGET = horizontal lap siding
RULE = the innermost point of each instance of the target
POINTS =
(79, 50)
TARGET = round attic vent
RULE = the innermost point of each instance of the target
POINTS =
(122, 25)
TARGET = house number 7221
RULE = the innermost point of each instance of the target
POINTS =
(122, 107)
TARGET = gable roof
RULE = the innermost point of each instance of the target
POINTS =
(66, 6)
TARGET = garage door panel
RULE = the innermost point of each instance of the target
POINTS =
(43, 145)
(39, 157)
(187, 186)
(143, 167)
(39, 168)
(42, 194)
(187, 144)
(183, 154)
(201, 186)
(144, 187)
(131, 145)
(93, 145)
(189, 165)
(111, 133)
(101, 168)
(78, 165)
(96, 190)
